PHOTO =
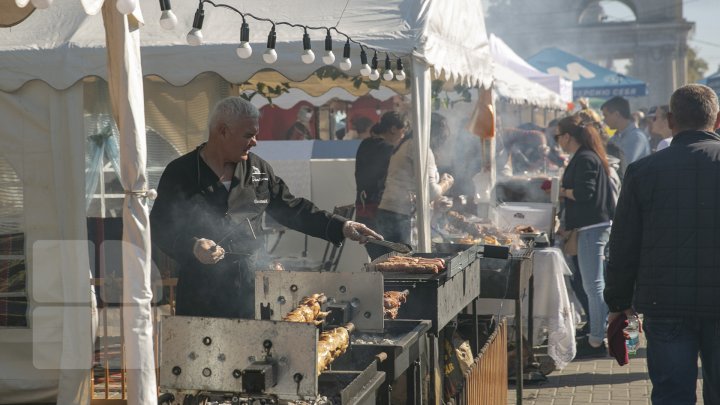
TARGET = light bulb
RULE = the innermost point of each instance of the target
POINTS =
(364, 67)
(244, 50)
(195, 37)
(308, 56)
(374, 74)
(21, 3)
(345, 64)
(126, 6)
(365, 70)
(388, 75)
(400, 74)
(328, 58)
(168, 20)
(42, 4)
(270, 56)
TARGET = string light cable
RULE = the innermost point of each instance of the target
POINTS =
(168, 20)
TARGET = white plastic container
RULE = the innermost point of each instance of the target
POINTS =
(512, 214)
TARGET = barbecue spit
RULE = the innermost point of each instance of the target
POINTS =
(309, 310)
(332, 344)
(392, 301)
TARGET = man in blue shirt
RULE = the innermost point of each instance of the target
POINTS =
(633, 142)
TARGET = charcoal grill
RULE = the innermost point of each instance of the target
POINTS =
(437, 297)
(404, 343)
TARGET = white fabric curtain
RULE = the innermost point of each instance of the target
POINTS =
(126, 94)
(41, 139)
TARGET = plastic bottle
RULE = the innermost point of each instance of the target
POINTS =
(633, 335)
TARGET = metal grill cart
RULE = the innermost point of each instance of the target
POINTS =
(511, 278)
(440, 298)
(400, 346)
(239, 361)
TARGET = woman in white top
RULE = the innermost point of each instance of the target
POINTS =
(398, 201)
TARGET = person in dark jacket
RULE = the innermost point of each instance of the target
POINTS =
(208, 212)
(665, 251)
(371, 166)
(589, 208)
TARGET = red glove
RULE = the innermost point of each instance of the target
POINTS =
(616, 339)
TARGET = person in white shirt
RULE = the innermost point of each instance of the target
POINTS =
(398, 200)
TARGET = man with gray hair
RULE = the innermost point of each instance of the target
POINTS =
(665, 251)
(208, 215)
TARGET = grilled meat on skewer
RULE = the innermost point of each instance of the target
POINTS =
(308, 310)
(409, 264)
(392, 301)
(332, 344)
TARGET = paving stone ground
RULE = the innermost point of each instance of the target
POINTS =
(594, 381)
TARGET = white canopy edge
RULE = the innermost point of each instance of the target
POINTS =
(294, 96)
(516, 89)
(505, 56)
(433, 31)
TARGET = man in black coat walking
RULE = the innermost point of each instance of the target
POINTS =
(665, 251)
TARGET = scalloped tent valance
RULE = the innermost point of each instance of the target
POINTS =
(431, 31)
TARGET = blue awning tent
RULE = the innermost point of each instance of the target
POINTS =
(589, 79)
(713, 81)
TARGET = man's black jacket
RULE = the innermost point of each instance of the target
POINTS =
(665, 239)
(193, 204)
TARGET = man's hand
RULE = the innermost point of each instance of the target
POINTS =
(359, 232)
(207, 251)
(444, 204)
(612, 315)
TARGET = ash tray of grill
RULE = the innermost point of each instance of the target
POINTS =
(374, 339)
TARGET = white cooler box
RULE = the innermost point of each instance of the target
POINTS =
(512, 214)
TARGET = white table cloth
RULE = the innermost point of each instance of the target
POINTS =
(552, 310)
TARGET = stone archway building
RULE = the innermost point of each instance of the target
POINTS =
(656, 42)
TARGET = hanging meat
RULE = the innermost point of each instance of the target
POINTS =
(409, 264)
(308, 310)
(392, 301)
(332, 344)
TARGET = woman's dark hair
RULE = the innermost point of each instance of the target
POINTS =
(389, 120)
(587, 134)
(439, 130)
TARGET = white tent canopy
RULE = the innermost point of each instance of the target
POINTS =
(43, 59)
(506, 57)
(519, 90)
(75, 49)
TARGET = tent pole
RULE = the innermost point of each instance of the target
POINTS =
(421, 134)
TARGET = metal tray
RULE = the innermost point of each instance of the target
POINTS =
(352, 387)
(407, 345)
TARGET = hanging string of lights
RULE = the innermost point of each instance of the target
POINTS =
(168, 21)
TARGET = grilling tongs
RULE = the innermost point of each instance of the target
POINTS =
(395, 246)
